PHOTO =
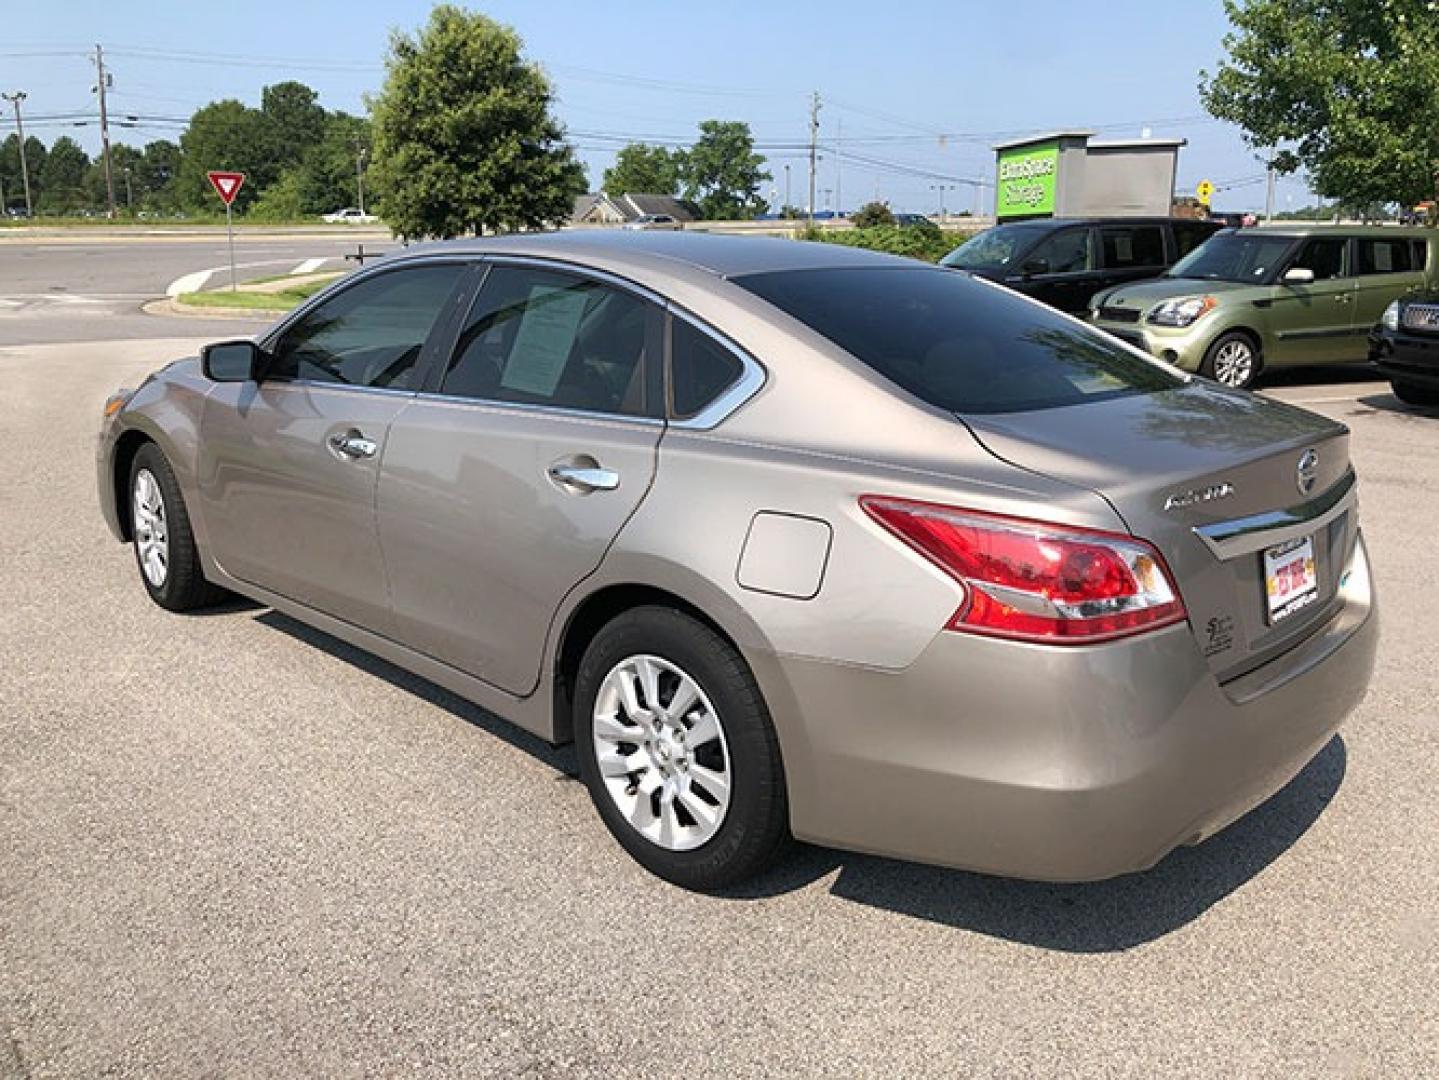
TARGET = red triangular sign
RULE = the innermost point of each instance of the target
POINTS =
(226, 184)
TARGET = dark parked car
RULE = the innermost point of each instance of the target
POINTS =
(1405, 347)
(1065, 261)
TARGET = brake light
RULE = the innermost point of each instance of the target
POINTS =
(1033, 581)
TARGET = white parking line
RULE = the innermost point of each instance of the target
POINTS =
(189, 283)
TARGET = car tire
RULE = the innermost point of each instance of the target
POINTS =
(1232, 360)
(164, 543)
(696, 796)
(1414, 394)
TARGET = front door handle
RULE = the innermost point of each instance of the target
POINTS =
(352, 444)
(585, 478)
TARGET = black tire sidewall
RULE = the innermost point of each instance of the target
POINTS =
(756, 823)
(1206, 368)
(1414, 394)
(184, 586)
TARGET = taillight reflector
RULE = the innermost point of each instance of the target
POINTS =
(1034, 581)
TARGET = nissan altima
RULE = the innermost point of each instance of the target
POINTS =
(791, 539)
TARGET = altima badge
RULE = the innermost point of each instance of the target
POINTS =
(1308, 471)
(1194, 496)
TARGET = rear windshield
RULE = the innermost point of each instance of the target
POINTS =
(957, 343)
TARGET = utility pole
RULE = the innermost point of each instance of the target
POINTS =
(129, 193)
(102, 83)
(813, 151)
(360, 153)
(1269, 196)
(787, 202)
(838, 167)
(15, 99)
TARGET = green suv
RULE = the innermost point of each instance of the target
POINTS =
(1249, 299)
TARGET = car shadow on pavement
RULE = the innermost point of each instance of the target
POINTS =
(559, 758)
(1318, 375)
(1106, 916)
(1391, 403)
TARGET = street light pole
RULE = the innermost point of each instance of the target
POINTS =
(360, 154)
(129, 193)
(813, 151)
(787, 201)
(15, 99)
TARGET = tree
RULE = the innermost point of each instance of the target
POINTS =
(11, 177)
(871, 214)
(327, 177)
(294, 122)
(723, 173)
(157, 174)
(647, 170)
(225, 135)
(62, 176)
(464, 138)
(1346, 91)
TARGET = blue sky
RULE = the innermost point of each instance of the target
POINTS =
(921, 89)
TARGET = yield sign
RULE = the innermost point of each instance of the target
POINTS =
(226, 184)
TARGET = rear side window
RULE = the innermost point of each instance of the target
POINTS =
(1385, 256)
(957, 343)
(701, 369)
(1325, 255)
(1419, 253)
(539, 337)
(1127, 246)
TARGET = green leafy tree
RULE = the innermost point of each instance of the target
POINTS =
(294, 122)
(1346, 91)
(464, 138)
(328, 176)
(62, 177)
(157, 174)
(284, 200)
(122, 157)
(225, 136)
(723, 173)
(871, 214)
(11, 177)
(642, 169)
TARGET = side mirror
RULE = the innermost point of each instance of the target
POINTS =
(1035, 266)
(1298, 275)
(232, 361)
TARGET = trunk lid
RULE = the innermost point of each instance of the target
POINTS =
(1211, 477)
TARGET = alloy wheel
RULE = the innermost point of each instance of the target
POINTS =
(152, 537)
(1234, 363)
(661, 751)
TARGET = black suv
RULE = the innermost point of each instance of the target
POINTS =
(1405, 348)
(1065, 261)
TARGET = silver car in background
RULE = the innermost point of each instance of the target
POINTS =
(791, 539)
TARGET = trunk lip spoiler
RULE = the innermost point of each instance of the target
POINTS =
(1242, 536)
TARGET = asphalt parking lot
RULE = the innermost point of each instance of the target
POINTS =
(230, 845)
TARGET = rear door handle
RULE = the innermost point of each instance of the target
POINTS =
(352, 444)
(586, 478)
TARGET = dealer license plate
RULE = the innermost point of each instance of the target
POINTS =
(1291, 581)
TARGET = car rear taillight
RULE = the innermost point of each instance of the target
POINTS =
(1034, 581)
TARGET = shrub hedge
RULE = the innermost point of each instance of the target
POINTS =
(930, 245)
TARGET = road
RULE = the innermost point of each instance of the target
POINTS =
(85, 285)
(231, 846)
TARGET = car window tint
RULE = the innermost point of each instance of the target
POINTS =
(1066, 252)
(1325, 255)
(994, 248)
(1419, 254)
(539, 337)
(701, 369)
(1127, 246)
(958, 343)
(1385, 256)
(370, 334)
(1188, 236)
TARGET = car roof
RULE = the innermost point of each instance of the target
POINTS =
(1320, 228)
(661, 252)
(1059, 223)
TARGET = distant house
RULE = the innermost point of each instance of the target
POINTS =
(598, 208)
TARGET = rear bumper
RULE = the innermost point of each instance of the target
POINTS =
(1062, 763)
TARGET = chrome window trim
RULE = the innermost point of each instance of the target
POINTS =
(321, 384)
(753, 376)
(1242, 536)
(560, 411)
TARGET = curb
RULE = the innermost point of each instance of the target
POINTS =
(170, 309)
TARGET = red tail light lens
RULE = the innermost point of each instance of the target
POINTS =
(1033, 581)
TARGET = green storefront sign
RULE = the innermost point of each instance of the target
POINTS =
(1026, 180)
